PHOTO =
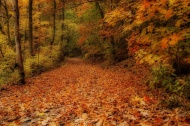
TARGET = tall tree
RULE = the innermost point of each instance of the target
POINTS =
(30, 37)
(1, 16)
(3, 3)
(100, 10)
(19, 59)
(54, 25)
(63, 18)
(0, 11)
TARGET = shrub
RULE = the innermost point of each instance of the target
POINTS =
(7, 64)
(42, 62)
(163, 77)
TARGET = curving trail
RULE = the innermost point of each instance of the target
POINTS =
(83, 94)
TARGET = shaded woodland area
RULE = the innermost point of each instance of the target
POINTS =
(148, 39)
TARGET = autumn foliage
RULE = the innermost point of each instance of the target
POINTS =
(157, 33)
(134, 65)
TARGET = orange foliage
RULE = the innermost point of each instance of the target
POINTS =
(164, 43)
(82, 40)
(169, 13)
(81, 93)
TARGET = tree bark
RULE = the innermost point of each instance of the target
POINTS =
(19, 59)
(100, 10)
(1, 52)
(8, 24)
(54, 16)
(30, 36)
(1, 16)
(7, 21)
(63, 18)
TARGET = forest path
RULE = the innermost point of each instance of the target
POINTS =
(82, 93)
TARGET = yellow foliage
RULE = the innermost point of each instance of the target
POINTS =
(172, 2)
(113, 17)
(178, 23)
(144, 40)
(150, 28)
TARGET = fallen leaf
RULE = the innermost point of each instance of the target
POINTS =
(100, 122)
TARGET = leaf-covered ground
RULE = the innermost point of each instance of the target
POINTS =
(83, 94)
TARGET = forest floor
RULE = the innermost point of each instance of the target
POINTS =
(81, 93)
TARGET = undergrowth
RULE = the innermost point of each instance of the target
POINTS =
(32, 65)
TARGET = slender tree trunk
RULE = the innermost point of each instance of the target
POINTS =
(19, 59)
(100, 10)
(30, 37)
(7, 21)
(1, 52)
(8, 24)
(0, 10)
(1, 15)
(63, 18)
(111, 5)
(54, 16)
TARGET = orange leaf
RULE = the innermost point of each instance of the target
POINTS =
(164, 43)
(168, 14)
(146, 4)
(146, 99)
(175, 38)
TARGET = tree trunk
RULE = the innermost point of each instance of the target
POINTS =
(1, 52)
(63, 18)
(54, 16)
(100, 10)
(7, 21)
(8, 24)
(30, 36)
(19, 59)
(1, 15)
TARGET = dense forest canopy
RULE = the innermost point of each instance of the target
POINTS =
(152, 32)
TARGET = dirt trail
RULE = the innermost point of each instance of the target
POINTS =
(80, 93)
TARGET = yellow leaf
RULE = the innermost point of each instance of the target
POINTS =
(100, 122)
(53, 124)
(84, 116)
(41, 114)
(148, 57)
(136, 99)
(141, 61)
(151, 61)
(12, 124)
(150, 28)
(172, 2)
(178, 23)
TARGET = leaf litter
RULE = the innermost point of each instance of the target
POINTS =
(83, 94)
